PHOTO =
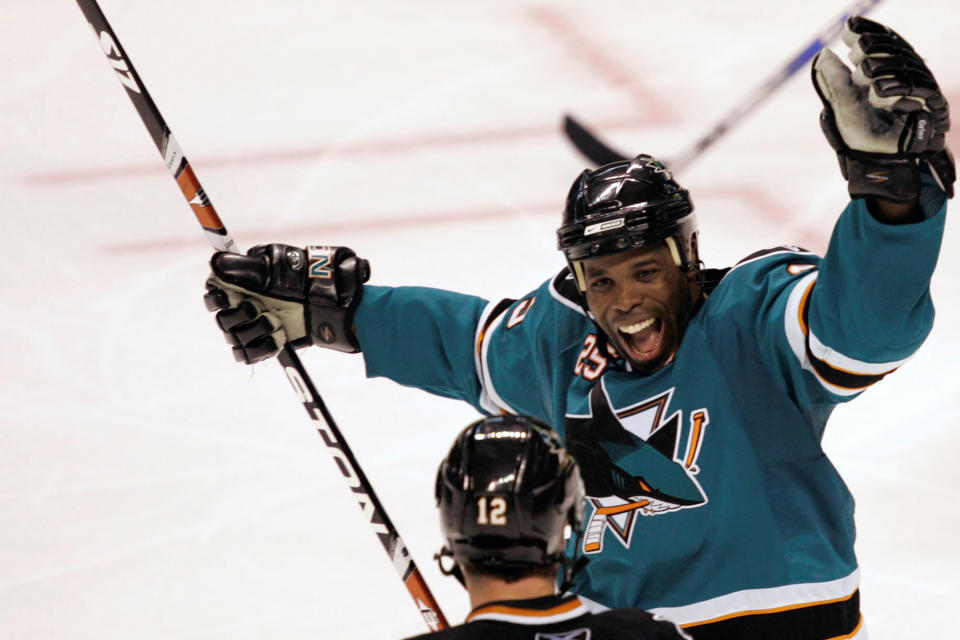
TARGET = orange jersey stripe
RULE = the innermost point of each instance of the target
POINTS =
(620, 508)
(789, 607)
(802, 306)
(532, 613)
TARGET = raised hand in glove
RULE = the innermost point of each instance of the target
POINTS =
(886, 119)
(278, 293)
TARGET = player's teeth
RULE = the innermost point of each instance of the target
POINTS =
(640, 326)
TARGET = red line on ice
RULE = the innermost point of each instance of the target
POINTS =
(652, 109)
(756, 202)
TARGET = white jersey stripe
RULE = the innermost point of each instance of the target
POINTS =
(835, 359)
(754, 601)
(519, 618)
(485, 401)
(797, 337)
(490, 400)
(845, 363)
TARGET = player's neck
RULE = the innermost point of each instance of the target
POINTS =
(485, 589)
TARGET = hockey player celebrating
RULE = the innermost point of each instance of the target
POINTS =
(694, 399)
(509, 496)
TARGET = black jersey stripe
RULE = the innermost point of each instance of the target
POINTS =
(770, 251)
(841, 378)
(836, 619)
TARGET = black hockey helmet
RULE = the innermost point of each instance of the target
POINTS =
(507, 492)
(625, 205)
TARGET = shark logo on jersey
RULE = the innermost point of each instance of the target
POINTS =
(638, 460)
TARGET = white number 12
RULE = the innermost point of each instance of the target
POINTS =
(493, 513)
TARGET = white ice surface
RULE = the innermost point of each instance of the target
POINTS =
(152, 488)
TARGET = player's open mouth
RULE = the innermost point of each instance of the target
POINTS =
(642, 339)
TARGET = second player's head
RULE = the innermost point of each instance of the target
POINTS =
(509, 497)
(629, 235)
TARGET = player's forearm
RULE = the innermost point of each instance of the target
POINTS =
(932, 199)
(889, 212)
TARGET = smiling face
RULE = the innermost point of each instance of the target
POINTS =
(643, 301)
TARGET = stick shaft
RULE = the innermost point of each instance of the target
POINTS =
(220, 239)
(599, 152)
(761, 93)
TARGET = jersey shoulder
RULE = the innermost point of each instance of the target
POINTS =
(563, 291)
(555, 302)
(766, 260)
(759, 273)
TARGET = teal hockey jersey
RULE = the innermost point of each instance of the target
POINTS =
(710, 499)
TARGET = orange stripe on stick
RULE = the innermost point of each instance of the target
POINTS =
(198, 201)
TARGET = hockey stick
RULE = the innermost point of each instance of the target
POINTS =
(296, 374)
(598, 152)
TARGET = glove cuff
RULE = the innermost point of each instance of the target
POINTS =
(332, 327)
(881, 176)
(334, 289)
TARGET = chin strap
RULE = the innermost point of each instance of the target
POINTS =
(453, 569)
(570, 570)
(572, 565)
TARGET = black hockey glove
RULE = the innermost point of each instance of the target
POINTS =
(278, 293)
(887, 119)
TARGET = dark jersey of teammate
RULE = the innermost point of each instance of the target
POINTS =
(556, 618)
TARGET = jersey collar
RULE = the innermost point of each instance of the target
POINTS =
(533, 611)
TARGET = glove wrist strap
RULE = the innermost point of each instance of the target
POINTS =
(893, 178)
(328, 327)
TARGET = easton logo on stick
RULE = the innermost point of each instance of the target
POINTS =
(120, 65)
(345, 465)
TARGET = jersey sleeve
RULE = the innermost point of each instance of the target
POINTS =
(867, 309)
(504, 356)
(828, 329)
(421, 337)
(527, 351)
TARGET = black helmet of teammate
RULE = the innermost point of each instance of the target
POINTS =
(506, 493)
(626, 205)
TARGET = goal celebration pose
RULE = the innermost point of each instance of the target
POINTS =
(693, 399)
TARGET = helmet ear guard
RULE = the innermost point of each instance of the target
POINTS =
(674, 251)
(578, 275)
